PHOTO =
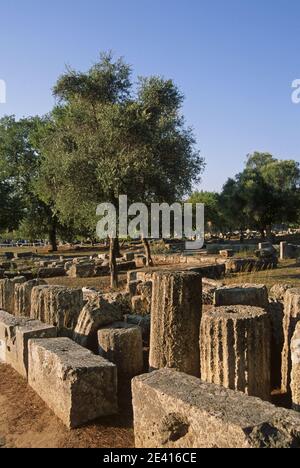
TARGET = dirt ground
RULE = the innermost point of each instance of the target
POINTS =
(26, 422)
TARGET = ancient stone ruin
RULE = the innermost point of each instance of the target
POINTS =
(203, 357)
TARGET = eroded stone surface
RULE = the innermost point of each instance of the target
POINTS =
(122, 344)
(58, 306)
(295, 376)
(174, 410)
(247, 294)
(175, 321)
(290, 320)
(97, 313)
(7, 293)
(77, 385)
(235, 349)
(22, 299)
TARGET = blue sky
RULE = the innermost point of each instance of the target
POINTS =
(234, 60)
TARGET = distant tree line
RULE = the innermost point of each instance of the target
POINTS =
(266, 193)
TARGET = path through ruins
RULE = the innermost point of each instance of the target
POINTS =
(26, 422)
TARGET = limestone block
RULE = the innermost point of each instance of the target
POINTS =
(290, 320)
(132, 287)
(8, 324)
(295, 377)
(97, 313)
(129, 256)
(277, 292)
(23, 333)
(23, 292)
(247, 294)
(58, 306)
(122, 344)
(235, 346)
(175, 321)
(7, 293)
(51, 272)
(77, 385)
(177, 411)
(276, 314)
(126, 266)
(82, 270)
(144, 323)
(90, 294)
(145, 291)
(140, 306)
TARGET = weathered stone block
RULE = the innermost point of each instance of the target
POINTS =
(132, 287)
(77, 385)
(145, 291)
(97, 313)
(276, 314)
(51, 272)
(173, 410)
(23, 333)
(7, 293)
(8, 324)
(235, 346)
(22, 303)
(295, 376)
(126, 266)
(122, 344)
(247, 294)
(290, 320)
(57, 306)
(90, 294)
(144, 323)
(129, 256)
(175, 321)
(14, 335)
(82, 270)
(140, 306)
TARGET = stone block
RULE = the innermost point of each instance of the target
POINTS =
(7, 293)
(58, 306)
(22, 300)
(290, 320)
(23, 333)
(175, 321)
(247, 294)
(51, 272)
(235, 345)
(177, 411)
(82, 270)
(78, 386)
(97, 313)
(295, 376)
(122, 344)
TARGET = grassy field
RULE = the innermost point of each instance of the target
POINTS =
(102, 282)
(288, 272)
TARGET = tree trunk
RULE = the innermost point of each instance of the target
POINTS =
(269, 233)
(114, 283)
(149, 261)
(52, 235)
(262, 231)
(117, 247)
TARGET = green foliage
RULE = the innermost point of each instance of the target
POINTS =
(213, 209)
(106, 140)
(265, 193)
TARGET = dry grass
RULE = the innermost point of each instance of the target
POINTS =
(102, 283)
(288, 272)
